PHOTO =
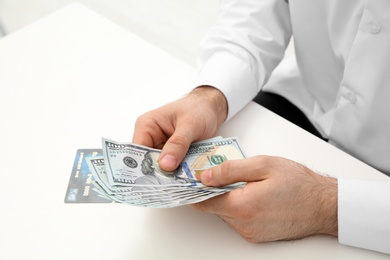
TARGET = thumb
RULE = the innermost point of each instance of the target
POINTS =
(175, 150)
(232, 171)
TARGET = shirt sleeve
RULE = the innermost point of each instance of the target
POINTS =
(364, 214)
(239, 53)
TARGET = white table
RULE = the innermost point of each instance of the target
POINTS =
(73, 77)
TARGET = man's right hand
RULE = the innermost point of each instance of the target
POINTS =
(174, 126)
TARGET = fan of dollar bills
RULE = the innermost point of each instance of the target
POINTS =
(129, 173)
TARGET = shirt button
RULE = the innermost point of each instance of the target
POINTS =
(351, 97)
(374, 27)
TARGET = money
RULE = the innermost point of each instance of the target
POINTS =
(130, 173)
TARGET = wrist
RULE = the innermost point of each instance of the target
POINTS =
(328, 207)
(215, 99)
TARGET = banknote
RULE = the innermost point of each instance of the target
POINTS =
(130, 174)
(163, 199)
(156, 196)
(97, 167)
(132, 165)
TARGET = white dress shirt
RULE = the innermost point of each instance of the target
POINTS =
(339, 77)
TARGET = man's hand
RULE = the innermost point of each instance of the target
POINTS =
(173, 127)
(282, 200)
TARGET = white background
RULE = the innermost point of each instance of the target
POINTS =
(176, 26)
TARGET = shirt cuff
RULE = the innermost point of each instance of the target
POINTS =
(364, 214)
(232, 76)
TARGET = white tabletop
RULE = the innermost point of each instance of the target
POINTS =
(74, 77)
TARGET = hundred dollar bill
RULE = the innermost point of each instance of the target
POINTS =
(142, 195)
(97, 168)
(127, 164)
(152, 193)
(164, 199)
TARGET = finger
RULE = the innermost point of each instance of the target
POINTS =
(176, 148)
(143, 138)
(244, 170)
(147, 132)
(216, 205)
(173, 148)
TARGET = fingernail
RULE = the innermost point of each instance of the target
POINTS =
(206, 176)
(169, 162)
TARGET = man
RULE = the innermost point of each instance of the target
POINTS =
(340, 82)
